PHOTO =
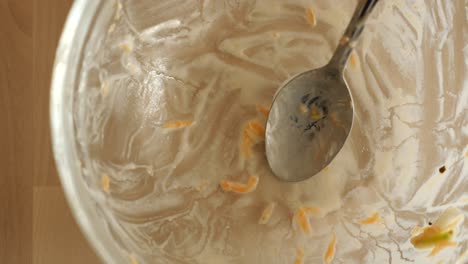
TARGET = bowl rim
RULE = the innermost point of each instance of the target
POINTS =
(61, 123)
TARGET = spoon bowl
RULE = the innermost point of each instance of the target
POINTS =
(312, 113)
(303, 137)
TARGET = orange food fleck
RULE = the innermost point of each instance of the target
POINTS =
(330, 253)
(266, 214)
(253, 132)
(312, 210)
(375, 218)
(440, 246)
(311, 17)
(225, 185)
(302, 218)
(256, 130)
(299, 256)
(353, 59)
(105, 182)
(263, 110)
(240, 188)
(178, 124)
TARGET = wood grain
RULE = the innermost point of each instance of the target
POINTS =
(49, 17)
(15, 139)
(42, 231)
(55, 231)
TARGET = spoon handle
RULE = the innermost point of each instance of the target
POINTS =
(352, 33)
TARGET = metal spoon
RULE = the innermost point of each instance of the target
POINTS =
(312, 114)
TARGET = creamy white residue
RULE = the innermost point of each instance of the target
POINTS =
(167, 96)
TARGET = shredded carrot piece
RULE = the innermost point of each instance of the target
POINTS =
(311, 17)
(375, 218)
(302, 218)
(256, 130)
(266, 214)
(178, 124)
(312, 210)
(105, 182)
(253, 132)
(240, 188)
(353, 59)
(225, 185)
(441, 246)
(263, 110)
(299, 256)
(330, 253)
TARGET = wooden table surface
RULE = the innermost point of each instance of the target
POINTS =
(36, 225)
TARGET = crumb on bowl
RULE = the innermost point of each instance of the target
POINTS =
(331, 249)
(105, 183)
(267, 213)
(240, 188)
(373, 219)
